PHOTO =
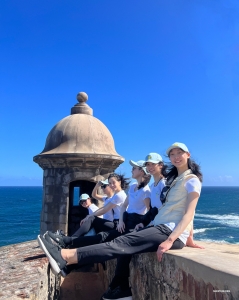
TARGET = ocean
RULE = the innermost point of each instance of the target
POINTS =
(216, 218)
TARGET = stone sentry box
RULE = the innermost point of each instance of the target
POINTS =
(79, 151)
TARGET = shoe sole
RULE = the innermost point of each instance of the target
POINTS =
(54, 266)
(124, 298)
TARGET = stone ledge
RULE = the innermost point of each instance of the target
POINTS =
(188, 274)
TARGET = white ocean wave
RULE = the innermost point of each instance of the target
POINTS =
(217, 241)
(203, 229)
(227, 220)
(232, 217)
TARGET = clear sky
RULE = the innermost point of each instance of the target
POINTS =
(156, 72)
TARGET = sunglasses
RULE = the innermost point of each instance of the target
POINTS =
(82, 201)
(104, 186)
(136, 168)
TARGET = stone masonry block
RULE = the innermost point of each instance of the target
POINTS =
(203, 289)
(197, 291)
(67, 179)
(219, 296)
(58, 190)
(56, 199)
(48, 198)
(210, 294)
(185, 282)
(63, 209)
(43, 227)
(49, 190)
(50, 180)
(58, 180)
(65, 189)
(62, 218)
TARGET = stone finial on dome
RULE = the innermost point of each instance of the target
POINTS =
(82, 107)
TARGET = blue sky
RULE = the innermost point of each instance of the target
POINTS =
(156, 72)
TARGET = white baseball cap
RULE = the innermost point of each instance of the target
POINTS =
(140, 164)
(84, 197)
(154, 158)
(104, 181)
(177, 145)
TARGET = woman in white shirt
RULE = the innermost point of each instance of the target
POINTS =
(118, 183)
(86, 202)
(171, 228)
(106, 198)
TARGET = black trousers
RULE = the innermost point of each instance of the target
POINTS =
(146, 240)
(98, 224)
(106, 235)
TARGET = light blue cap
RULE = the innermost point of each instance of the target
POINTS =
(177, 145)
(154, 158)
(104, 181)
(84, 197)
(140, 164)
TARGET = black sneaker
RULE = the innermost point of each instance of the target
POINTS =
(53, 253)
(60, 232)
(55, 238)
(65, 271)
(118, 294)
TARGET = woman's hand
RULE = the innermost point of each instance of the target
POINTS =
(191, 243)
(162, 248)
(85, 219)
(121, 226)
(138, 226)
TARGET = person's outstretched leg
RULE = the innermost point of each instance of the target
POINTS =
(67, 241)
(94, 222)
(84, 228)
(101, 237)
(146, 240)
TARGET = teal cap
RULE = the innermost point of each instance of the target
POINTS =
(177, 145)
(84, 197)
(154, 158)
(140, 164)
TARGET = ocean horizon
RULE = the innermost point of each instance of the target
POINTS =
(216, 218)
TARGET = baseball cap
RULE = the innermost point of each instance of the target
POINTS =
(154, 158)
(177, 145)
(84, 197)
(104, 181)
(139, 163)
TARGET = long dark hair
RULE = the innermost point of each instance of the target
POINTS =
(164, 170)
(124, 182)
(145, 180)
(192, 165)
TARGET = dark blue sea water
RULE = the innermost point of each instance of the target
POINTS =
(216, 219)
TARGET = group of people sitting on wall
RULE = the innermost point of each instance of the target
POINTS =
(147, 219)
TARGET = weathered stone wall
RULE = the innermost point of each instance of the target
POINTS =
(55, 204)
(188, 274)
(25, 273)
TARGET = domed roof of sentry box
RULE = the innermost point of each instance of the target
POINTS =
(79, 134)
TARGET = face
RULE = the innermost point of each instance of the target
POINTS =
(153, 169)
(85, 203)
(179, 158)
(114, 184)
(137, 172)
(106, 188)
